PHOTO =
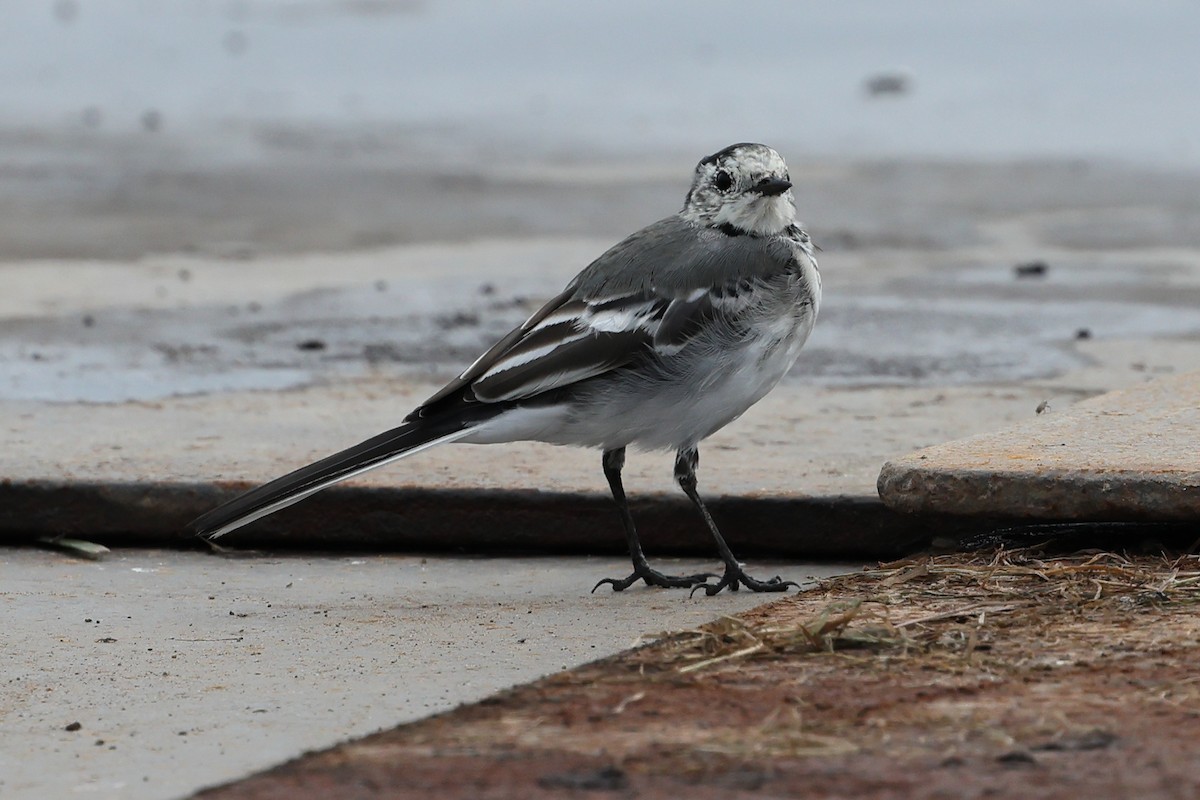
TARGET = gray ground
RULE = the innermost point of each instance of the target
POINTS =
(201, 284)
(185, 671)
(158, 325)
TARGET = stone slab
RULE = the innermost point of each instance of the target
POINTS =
(135, 395)
(1130, 454)
(794, 476)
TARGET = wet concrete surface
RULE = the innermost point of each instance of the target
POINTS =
(423, 312)
(939, 266)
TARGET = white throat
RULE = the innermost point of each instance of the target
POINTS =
(758, 214)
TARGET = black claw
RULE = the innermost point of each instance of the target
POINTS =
(655, 578)
(618, 586)
(735, 577)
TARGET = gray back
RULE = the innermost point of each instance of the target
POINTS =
(673, 257)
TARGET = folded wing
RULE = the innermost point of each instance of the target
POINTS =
(572, 339)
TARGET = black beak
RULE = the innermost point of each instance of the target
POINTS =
(772, 186)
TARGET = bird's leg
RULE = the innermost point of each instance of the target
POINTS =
(614, 460)
(686, 461)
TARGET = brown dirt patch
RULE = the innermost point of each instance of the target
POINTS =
(1006, 675)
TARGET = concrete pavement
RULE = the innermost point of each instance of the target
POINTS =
(185, 670)
(1126, 455)
(135, 394)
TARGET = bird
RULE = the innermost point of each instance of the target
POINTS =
(664, 339)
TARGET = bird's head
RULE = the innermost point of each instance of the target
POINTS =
(744, 187)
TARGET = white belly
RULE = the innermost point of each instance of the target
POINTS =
(663, 414)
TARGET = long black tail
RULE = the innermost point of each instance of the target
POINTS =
(397, 443)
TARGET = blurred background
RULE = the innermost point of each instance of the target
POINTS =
(131, 110)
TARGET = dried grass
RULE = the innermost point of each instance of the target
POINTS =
(947, 608)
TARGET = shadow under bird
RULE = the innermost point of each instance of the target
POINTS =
(661, 341)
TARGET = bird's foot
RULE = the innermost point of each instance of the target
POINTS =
(652, 577)
(735, 577)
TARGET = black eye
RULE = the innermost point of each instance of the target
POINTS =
(722, 180)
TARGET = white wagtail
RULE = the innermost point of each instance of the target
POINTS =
(663, 340)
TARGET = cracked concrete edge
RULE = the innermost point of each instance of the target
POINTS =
(422, 519)
(1049, 495)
